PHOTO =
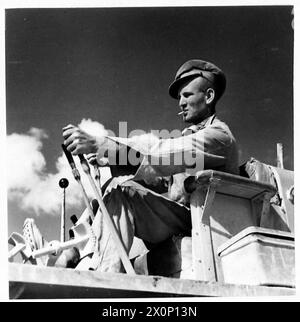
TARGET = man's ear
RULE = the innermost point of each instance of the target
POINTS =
(210, 95)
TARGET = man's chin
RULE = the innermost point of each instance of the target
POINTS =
(188, 120)
(194, 119)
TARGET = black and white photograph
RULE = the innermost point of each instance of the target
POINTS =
(149, 153)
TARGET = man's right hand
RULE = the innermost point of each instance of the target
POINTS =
(78, 141)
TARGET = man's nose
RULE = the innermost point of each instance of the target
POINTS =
(182, 102)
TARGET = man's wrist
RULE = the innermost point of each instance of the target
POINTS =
(102, 144)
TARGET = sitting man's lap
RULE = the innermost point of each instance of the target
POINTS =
(153, 216)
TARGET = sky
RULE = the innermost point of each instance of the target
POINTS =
(97, 67)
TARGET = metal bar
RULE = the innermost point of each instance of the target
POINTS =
(109, 222)
(63, 217)
(280, 155)
(58, 247)
(76, 175)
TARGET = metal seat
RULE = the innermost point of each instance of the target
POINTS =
(222, 205)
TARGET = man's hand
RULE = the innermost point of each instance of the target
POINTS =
(78, 141)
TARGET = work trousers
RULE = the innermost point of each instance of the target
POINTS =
(138, 211)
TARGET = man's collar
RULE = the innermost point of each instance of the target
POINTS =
(207, 121)
(196, 127)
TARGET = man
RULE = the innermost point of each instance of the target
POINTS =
(133, 201)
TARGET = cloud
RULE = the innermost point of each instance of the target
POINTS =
(29, 183)
(33, 187)
(25, 160)
(92, 127)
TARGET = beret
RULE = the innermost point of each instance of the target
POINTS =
(195, 68)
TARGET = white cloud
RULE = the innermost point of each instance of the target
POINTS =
(92, 127)
(28, 182)
(25, 162)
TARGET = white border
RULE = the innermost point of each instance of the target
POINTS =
(130, 3)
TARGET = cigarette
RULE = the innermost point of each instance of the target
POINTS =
(180, 113)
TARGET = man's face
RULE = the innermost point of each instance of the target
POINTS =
(192, 101)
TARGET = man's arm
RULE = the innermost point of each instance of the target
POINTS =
(163, 157)
(204, 149)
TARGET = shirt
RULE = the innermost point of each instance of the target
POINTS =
(207, 145)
